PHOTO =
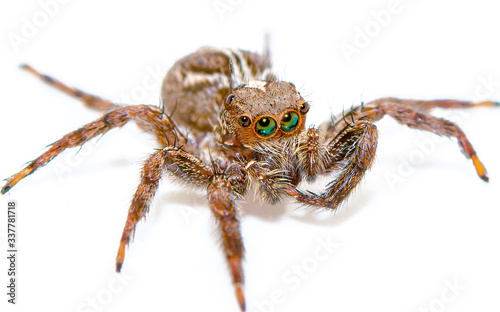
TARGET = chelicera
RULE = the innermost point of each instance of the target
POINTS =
(246, 129)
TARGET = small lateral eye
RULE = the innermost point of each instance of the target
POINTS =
(244, 121)
(289, 121)
(229, 99)
(304, 108)
(265, 126)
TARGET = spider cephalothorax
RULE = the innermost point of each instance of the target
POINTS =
(232, 122)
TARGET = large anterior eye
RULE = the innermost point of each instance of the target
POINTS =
(289, 121)
(265, 126)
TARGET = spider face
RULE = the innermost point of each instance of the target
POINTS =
(262, 110)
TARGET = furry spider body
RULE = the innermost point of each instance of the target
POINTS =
(246, 127)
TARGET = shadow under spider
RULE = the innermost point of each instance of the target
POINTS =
(253, 206)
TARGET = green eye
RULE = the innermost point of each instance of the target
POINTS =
(289, 121)
(265, 126)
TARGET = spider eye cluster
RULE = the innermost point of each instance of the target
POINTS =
(266, 126)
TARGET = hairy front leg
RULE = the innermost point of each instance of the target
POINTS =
(351, 153)
(313, 154)
(377, 109)
(147, 117)
(428, 105)
(223, 185)
(223, 207)
(415, 114)
(180, 164)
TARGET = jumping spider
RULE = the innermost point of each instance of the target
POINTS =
(233, 124)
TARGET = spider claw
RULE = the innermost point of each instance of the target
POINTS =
(118, 267)
(485, 179)
(240, 296)
(5, 189)
(120, 256)
(237, 276)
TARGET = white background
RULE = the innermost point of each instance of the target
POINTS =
(400, 245)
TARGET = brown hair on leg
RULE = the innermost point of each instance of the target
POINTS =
(223, 207)
(88, 99)
(145, 116)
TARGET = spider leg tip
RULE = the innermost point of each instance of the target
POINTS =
(485, 178)
(118, 267)
(480, 169)
(240, 297)
(25, 66)
(5, 189)
(488, 104)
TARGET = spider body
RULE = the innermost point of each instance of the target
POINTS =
(232, 125)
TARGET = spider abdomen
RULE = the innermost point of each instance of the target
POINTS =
(196, 86)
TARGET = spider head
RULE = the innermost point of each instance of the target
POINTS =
(262, 110)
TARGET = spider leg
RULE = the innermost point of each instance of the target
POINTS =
(223, 207)
(221, 188)
(312, 154)
(89, 100)
(429, 105)
(182, 165)
(415, 114)
(150, 179)
(352, 153)
(147, 117)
